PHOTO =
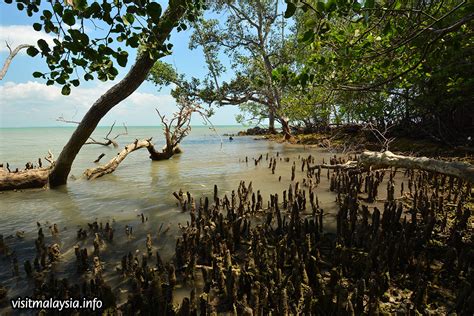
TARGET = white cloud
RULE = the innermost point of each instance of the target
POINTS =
(15, 35)
(35, 104)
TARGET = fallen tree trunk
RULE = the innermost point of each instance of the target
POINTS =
(109, 167)
(24, 179)
(351, 164)
(388, 159)
(29, 178)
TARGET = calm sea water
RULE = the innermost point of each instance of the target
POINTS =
(139, 185)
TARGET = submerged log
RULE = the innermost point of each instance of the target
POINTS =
(388, 159)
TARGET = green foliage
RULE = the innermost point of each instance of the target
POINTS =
(122, 23)
(389, 62)
(163, 74)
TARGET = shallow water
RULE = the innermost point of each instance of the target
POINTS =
(139, 185)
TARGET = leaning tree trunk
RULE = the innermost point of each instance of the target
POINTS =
(137, 74)
(135, 77)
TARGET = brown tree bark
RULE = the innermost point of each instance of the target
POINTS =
(134, 78)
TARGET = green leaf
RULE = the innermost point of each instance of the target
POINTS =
(88, 77)
(369, 4)
(32, 51)
(290, 10)
(122, 59)
(66, 90)
(128, 19)
(387, 30)
(80, 5)
(321, 6)
(43, 45)
(331, 5)
(308, 36)
(68, 17)
(154, 10)
(47, 14)
(37, 27)
(37, 74)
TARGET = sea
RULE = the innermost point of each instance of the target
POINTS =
(138, 186)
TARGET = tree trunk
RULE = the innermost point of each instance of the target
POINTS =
(285, 126)
(135, 77)
(165, 154)
(99, 109)
(388, 159)
(25, 179)
(271, 121)
(110, 167)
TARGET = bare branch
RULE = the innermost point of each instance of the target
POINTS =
(10, 57)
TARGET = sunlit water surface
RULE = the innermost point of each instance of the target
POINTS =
(139, 185)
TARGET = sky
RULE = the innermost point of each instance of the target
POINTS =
(28, 102)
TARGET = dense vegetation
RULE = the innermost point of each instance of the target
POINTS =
(404, 64)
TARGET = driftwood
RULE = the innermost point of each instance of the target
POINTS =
(388, 159)
(348, 165)
(109, 167)
(24, 179)
(379, 160)
(28, 178)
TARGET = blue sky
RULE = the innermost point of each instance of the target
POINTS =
(27, 101)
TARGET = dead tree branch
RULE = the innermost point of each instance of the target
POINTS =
(10, 57)
(381, 136)
(108, 141)
(110, 166)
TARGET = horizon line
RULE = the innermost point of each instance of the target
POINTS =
(158, 126)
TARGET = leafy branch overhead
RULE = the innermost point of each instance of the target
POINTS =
(119, 24)
(366, 45)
